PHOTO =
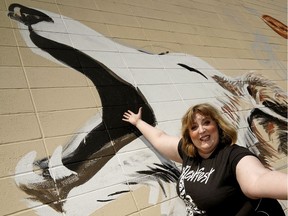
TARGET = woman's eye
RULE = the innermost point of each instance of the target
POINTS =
(193, 128)
(207, 122)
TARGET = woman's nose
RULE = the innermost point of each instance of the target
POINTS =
(201, 129)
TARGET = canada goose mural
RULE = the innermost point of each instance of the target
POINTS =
(255, 105)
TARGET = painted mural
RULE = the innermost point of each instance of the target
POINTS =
(255, 105)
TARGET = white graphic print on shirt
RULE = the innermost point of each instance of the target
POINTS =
(193, 176)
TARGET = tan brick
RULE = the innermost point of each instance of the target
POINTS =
(120, 19)
(5, 20)
(126, 200)
(48, 5)
(156, 35)
(31, 59)
(65, 122)
(80, 4)
(199, 51)
(11, 194)
(3, 6)
(153, 210)
(226, 63)
(12, 77)
(223, 52)
(18, 127)
(162, 47)
(12, 153)
(52, 99)
(181, 38)
(114, 7)
(146, 12)
(15, 101)
(155, 24)
(99, 27)
(82, 14)
(43, 77)
(126, 32)
(183, 28)
(7, 37)
(9, 56)
(18, 37)
(243, 53)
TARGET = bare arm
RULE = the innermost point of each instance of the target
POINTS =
(167, 145)
(256, 181)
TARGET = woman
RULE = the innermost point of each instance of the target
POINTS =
(218, 177)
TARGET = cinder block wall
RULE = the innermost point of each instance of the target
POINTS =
(63, 147)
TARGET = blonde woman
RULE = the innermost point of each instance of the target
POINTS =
(218, 176)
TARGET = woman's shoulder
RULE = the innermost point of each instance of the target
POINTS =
(236, 152)
(237, 148)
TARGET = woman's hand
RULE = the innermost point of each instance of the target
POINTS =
(167, 145)
(131, 117)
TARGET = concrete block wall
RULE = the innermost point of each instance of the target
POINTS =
(63, 147)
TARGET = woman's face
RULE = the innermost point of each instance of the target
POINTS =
(204, 134)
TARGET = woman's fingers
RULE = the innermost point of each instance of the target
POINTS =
(127, 115)
(140, 111)
(130, 116)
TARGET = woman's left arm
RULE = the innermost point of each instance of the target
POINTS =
(256, 181)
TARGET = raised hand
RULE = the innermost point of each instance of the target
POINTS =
(132, 117)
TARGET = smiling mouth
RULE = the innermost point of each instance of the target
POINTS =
(205, 138)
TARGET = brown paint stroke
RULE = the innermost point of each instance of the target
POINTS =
(276, 25)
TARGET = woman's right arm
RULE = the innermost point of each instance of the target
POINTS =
(167, 145)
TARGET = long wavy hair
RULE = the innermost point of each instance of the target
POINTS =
(227, 132)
